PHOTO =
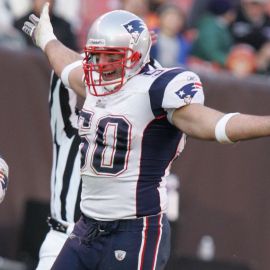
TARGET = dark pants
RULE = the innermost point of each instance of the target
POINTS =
(134, 244)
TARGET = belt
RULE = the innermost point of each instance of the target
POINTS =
(97, 228)
(57, 225)
(123, 224)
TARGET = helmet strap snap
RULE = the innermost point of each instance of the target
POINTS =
(135, 57)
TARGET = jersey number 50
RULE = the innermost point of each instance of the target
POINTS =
(108, 150)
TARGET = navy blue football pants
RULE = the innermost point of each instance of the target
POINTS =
(134, 244)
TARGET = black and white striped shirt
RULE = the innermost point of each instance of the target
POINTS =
(65, 175)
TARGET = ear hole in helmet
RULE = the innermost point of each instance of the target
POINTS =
(135, 57)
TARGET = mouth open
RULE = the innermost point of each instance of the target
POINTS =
(109, 75)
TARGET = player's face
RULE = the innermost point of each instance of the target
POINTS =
(111, 63)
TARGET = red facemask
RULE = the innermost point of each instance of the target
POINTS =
(111, 74)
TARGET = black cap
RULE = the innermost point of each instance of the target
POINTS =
(220, 7)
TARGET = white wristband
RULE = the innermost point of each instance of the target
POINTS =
(67, 69)
(220, 129)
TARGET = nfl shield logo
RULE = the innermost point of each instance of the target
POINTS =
(120, 255)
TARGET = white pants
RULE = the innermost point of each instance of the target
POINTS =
(50, 249)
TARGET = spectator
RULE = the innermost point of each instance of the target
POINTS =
(172, 47)
(154, 5)
(242, 60)
(214, 39)
(252, 27)
(6, 15)
(142, 9)
(10, 37)
(197, 9)
(62, 28)
(88, 13)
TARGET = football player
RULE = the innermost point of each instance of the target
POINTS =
(65, 174)
(3, 178)
(132, 126)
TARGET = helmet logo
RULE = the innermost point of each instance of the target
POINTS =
(135, 28)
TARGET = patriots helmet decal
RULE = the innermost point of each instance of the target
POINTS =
(135, 28)
(188, 91)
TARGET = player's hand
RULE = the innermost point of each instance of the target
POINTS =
(40, 29)
(3, 178)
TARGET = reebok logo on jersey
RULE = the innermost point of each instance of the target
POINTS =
(120, 255)
(100, 103)
(188, 91)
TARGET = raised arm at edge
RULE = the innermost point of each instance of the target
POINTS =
(59, 57)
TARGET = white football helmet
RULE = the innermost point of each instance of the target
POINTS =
(125, 39)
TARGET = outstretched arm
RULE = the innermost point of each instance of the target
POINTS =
(203, 122)
(59, 56)
(3, 178)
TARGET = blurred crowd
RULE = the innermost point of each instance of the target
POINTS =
(214, 35)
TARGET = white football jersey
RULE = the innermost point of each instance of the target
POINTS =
(128, 144)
